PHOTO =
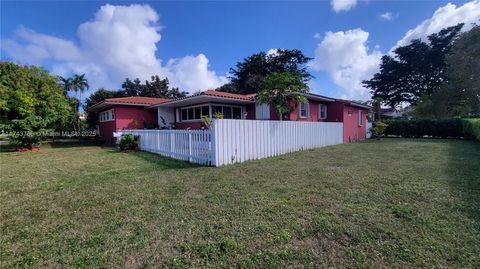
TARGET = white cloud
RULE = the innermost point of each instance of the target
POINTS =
(388, 16)
(445, 16)
(342, 5)
(346, 57)
(119, 42)
(317, 35)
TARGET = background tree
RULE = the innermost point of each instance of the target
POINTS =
(415, 70)
(65, 84)
(463, 74)
(155, 88)
(97, 97)
(459, 94)
(248, 76)
(279, 88)
(79, 83)
(31, 103)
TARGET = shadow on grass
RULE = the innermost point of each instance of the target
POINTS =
(464, 176)
(72, 143)
(159, 161)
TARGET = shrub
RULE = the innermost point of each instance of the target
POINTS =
(128, 142)
(378, 129)
(437, 128)
(150, 125)
(471, 128)
(206, 122)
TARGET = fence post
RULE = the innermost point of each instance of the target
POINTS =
(172, 144)
(212, 146)
(190, 147)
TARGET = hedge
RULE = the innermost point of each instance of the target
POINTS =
(471, 128)
(436, 128)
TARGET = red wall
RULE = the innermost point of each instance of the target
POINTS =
(351, 130)
(134, 117)
(313, 111)
(127, 117)
(251, 112)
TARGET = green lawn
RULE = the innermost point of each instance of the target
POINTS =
(389, 203)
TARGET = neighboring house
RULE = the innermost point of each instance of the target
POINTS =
(186, 113)
(390, 113)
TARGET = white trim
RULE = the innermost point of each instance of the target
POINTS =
(210, 111)
(110, 114)
(360, 117)
(300, 110)
(320, 111)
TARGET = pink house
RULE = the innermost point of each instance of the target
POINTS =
(185, 113)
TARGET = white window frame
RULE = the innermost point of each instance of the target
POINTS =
(360, 117)
(307, 108)
(107, 115)
(210, 111)
(320, 106)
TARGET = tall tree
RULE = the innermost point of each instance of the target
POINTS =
(415, 70)
(79, 83)
(156, 87)
(31, 103)
(249, 75)
(459, 94)
(279, 88)
(65, 84)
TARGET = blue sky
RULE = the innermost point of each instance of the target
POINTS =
(195, 43)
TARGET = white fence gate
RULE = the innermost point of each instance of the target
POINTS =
(233, 141)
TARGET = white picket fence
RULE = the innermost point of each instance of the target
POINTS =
(189, 145)
(232, 141)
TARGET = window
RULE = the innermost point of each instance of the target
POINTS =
(303, 110)
(322, 111)
(360, 118)
(350, 112)
(196, 113)
(262, 111)
(107, 115)
(216, 109)
(227, 112)
(236, 113)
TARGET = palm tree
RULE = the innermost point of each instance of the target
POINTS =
(65, 84)
(79, 84)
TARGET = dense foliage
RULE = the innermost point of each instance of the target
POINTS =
(437, 128)
(32, 104)
(249, 75)
(459, 95)
(471, 128)
(415, 70)
(279, 88)
(155, 88)
(378, 129)
(128, 142)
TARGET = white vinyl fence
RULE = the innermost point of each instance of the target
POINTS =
(241, 140)
(232, 141)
